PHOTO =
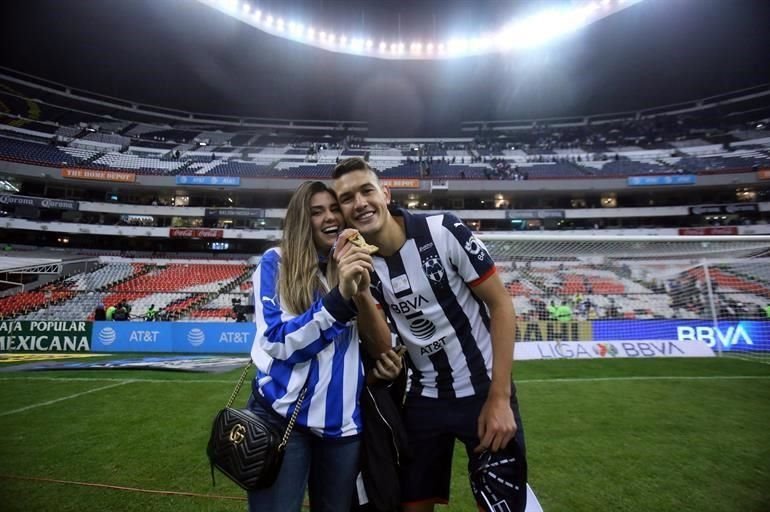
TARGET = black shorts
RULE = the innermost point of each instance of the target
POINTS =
(432, 426)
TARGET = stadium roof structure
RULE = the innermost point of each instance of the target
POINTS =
(431, 40)
(184, 55)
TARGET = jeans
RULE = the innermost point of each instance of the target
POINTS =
(328, 468)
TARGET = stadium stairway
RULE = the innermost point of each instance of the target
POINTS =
(181, 169)
(195, 307)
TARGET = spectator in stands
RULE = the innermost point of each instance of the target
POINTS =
(151, 314)
(767, 311)
(305, 309)
(99, 313)
(442, 293)
(109, 315)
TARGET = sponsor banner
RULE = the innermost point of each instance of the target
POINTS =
(763, 174)
(235, 213)
(717, 230)
(707, 209)
(213, 337)
(195, 233)
(610, 349)
(38, 202)
(131, 337)
(674, 179)
(744, 336)
(48, 336)
(97, 175)
(534, 214)
(400, 182)
(210, 364)
(544, 330)
(184, 337)
(227, 181)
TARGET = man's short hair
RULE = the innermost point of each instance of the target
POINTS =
(354, 163)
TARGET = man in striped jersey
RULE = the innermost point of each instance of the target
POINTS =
(438, 286)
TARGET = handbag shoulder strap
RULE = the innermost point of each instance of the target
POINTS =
(294, 414)
(237, 389)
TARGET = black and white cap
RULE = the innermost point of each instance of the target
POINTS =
(499, 480)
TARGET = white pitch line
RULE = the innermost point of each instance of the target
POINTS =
(518, 381)
(644, 378)
(76, 395)
(116, 379)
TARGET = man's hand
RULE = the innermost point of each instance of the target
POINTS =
(354, 264)
(496, 424)
(388, 366)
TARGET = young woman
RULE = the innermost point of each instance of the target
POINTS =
(306, 307)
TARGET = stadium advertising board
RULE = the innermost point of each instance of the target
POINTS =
(195, 233)
(534, 214)
(213, 337)
(707, 209)
(131, 337)
(716, 230)
(44, 336)
(543, 330)
(97, 175)
(744, 336)
(38, 202)
(235, 213)
(226, 181)
(674, 179)
(179, 337)
(400, 182)
(609, 349)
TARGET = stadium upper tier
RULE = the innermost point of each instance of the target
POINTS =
(51, 125)
(707, 158)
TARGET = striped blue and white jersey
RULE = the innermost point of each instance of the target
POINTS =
(319, 346)
(425, 290)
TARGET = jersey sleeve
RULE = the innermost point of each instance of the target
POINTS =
(467, 253)
(289, 337)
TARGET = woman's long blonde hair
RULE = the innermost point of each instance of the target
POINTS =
(298, 281)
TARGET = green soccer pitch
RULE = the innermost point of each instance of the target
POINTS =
(602, 435)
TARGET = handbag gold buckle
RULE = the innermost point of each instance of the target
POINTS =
(237, 433)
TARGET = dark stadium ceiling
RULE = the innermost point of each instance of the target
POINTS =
(183, 54)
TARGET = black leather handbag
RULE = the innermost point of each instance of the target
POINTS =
(245, 447)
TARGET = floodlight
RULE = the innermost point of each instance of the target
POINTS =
(519, 33)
